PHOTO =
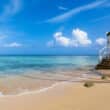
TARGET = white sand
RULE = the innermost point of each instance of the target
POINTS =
(61, 97)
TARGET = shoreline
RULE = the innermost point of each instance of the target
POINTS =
(62, 96)
(37, 91)
(36, 83)
(46, 89)
(18, 84)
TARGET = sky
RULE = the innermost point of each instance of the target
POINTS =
(53, 27)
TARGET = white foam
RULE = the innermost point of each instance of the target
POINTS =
(33, 92)
(1, 94)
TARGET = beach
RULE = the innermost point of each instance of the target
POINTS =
(17, 84)
(27, 73)
(62, 96)
(52, 83)
(54, 55)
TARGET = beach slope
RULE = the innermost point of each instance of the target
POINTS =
(64, 96)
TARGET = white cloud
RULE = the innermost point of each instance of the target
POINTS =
(13, 44)
(62, 8)
(62, 40)
(77, 10)
(81, 37)
(101, 41)
(10, 9)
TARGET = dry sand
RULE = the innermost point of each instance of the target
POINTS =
(64, 96)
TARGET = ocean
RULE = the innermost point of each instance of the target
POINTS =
(25, 73)
(17, 65)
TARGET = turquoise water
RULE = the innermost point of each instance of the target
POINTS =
(26, 73)
(22, 64)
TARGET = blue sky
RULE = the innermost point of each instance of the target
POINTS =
(53, 26)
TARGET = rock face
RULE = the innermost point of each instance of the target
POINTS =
(104, 64)
(105, 55)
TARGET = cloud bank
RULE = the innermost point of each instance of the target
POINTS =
(79, 38)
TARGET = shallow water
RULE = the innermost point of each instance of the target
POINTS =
(22, 73)
(22, 64)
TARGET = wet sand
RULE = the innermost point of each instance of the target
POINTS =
(63, 96)
(15, 84)
(58, 92)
